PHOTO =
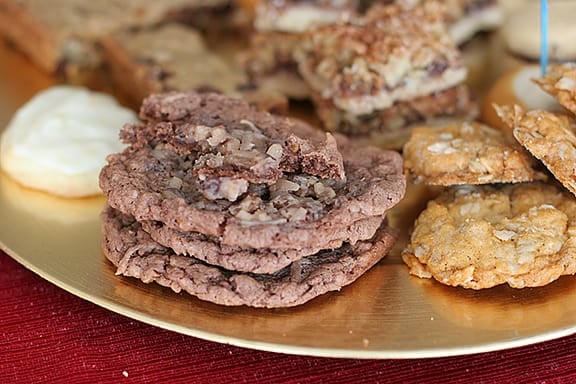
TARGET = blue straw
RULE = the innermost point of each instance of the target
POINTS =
(543, 36)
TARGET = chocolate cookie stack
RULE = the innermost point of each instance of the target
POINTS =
(241, 207)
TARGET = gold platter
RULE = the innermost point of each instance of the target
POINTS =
(385, 314)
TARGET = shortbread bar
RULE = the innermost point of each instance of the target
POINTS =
(60, 35)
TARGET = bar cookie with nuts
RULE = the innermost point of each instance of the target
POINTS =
(383, 71)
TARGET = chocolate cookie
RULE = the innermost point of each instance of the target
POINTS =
(262, 260)
(156, 184)
(232, 137)
(155, 180)
(135, 254)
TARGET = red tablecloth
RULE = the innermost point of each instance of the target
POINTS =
(51, 336)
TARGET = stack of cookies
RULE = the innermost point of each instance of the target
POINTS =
(508, 214)
(242, 207)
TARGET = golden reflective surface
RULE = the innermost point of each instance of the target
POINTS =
(385, 314)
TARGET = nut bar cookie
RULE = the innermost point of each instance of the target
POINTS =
(464, 18)
(482, 236)
(135, 254)
(151, 180)
(392, 55)
(296, 16)
(466, 153)
(269, 63)
(393, 122)
(164, 58)
(477, 16)
(60, 35)
(560, 82)
(172, 57)
(548, 136)
(278, 27)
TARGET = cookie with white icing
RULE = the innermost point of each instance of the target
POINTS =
(59, 140)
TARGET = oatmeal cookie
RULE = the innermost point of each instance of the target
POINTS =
(482, 236)
(548, 136)
(468, 153)
(135, 254)
(560, 82)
